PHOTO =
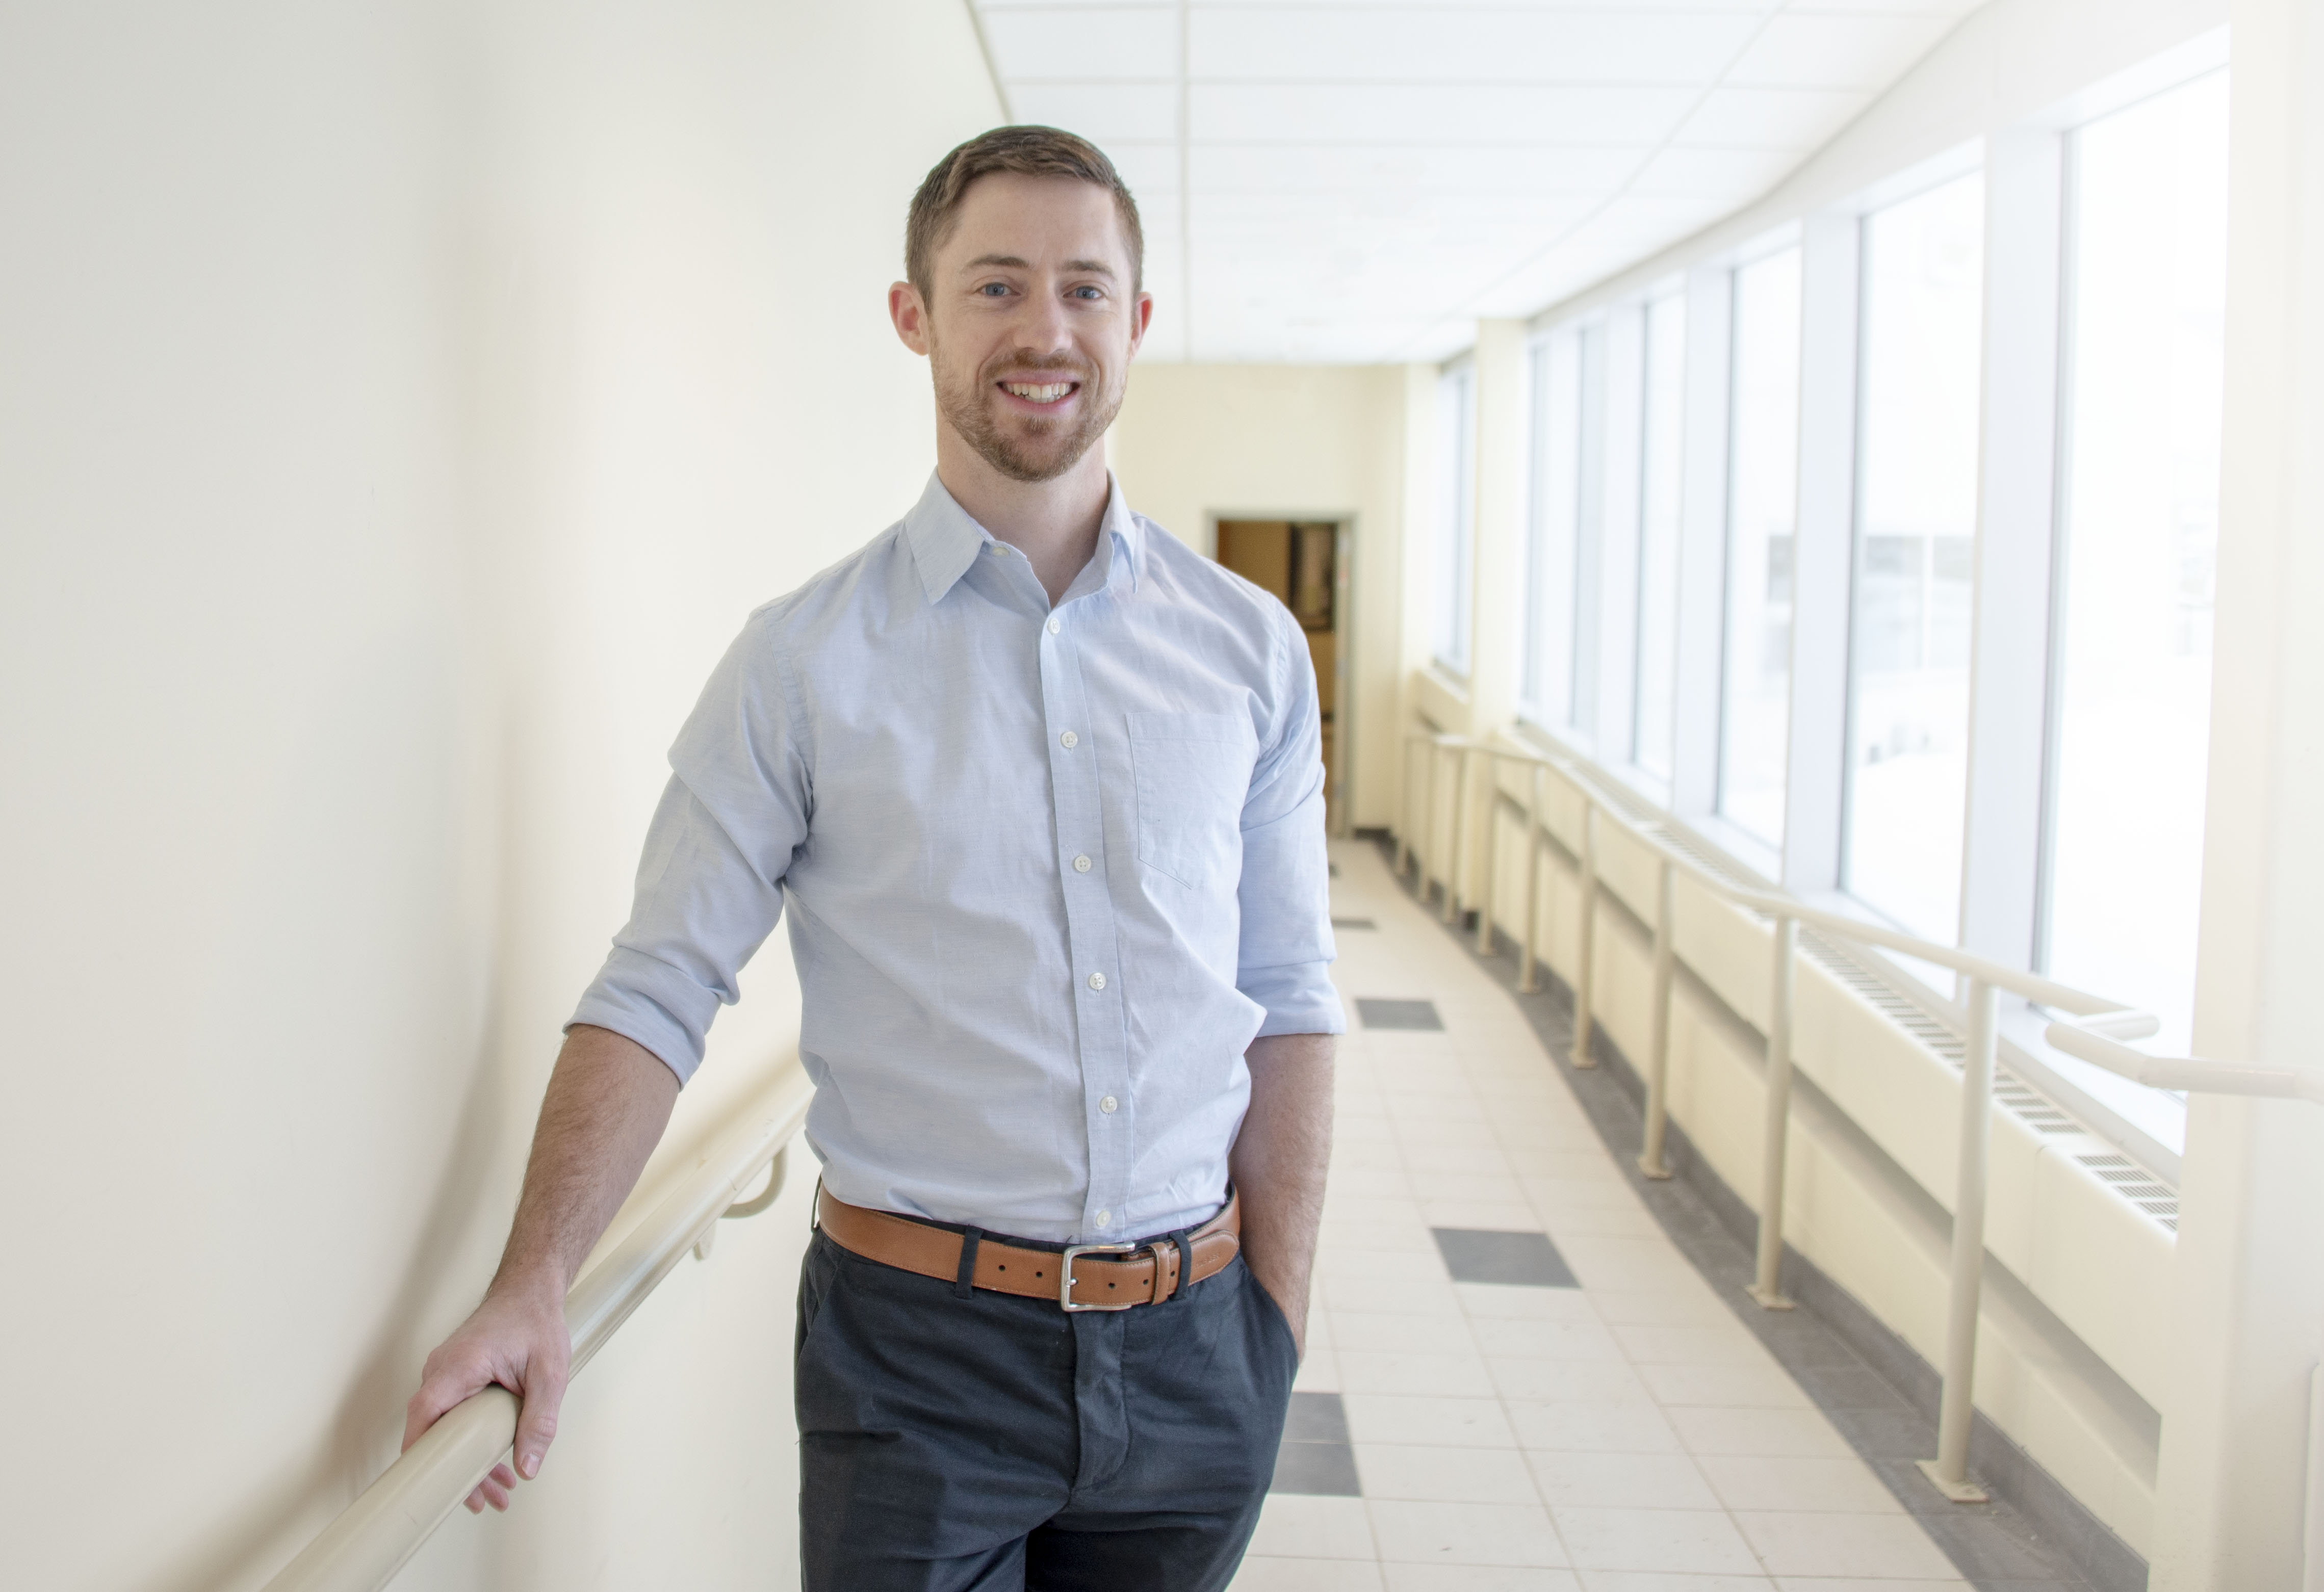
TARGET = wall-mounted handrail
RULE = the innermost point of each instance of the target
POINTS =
(373, 1537)
(2099, 1023)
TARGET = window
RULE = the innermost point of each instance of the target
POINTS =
(1555, 498)
(1456, 528)
(2130, 717)
(1922, 279)
(1588, 529)
(1762, 501)
(1659, 531)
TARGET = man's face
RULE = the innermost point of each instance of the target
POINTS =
(1030, 322)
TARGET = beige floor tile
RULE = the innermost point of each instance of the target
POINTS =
(1635, 1427)
(1492, 1216)
(1687, 1542)
(1351, 1126)
(1363, 1288)
(1573, 1382)
(1444, 1375)
(1755, 1434)
(1753, 1387)
(1694, 1305)
(1565, 1223)
(1635, 1580)
(1391, 1334)
(1305, 1575)
(1858, 1584)
(1627, 1264)
(1320, 1372)
(1502, 1302)
(1478, 1578)
(1860, 1545)
(1816, 1485)
(1532, 1337)
(1432, 1422)
(1620, 1481)
(1423, 1266)
(1608, 1191)
(1722, 1343)
(1406, 1236)
(1292, 1525)
(1455, 1476)
(1415, 1532)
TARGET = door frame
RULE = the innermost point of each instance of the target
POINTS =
(1343, 630)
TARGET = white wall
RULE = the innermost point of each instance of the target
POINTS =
(1266, 441)
(400, 409)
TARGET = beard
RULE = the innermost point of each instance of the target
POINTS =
(1028, 447)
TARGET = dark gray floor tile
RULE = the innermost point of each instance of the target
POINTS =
(1399, 1014)
(1526, 1259)
(1324, 1469)
(1886, 1434)
(1848, 1387)
(1987, 1551)
(1354, 922)
(1316, 1418)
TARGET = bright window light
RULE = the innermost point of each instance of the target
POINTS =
(1763, 505)
(1589, 530)
(1915, 530)
(2131, 700)
(1455, 520)
(1548, 683)
(1659, 526)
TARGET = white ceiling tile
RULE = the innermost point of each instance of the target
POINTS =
(1733, 175)
(1476, 168)
(1101, 113)
(1421, 115)
(1469, 46)
(1086, 41)
(1147, 168)
(1837, 51)
(1770, 118)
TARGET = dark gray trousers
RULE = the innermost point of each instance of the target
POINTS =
(961, 1441)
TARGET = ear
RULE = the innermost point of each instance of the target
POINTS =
(1140, 318)
(909, 313)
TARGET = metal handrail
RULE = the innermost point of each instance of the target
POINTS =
(372, 1538)
(2098, 1022)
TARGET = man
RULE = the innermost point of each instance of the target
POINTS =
(1041, 789)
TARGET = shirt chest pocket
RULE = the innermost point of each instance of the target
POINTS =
(1193, 775)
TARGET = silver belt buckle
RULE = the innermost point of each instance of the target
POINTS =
(1065, 1273)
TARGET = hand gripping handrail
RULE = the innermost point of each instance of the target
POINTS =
(2098, 1022)
(375, 1536)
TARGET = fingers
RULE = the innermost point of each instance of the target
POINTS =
(536, 1427)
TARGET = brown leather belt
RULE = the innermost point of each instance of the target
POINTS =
(1082, 1276)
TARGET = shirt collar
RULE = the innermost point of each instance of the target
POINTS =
(945, 541)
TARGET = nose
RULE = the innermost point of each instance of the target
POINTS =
(1046, 328)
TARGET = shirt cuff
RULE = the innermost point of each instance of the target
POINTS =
(650, 1002)
(1299, 998)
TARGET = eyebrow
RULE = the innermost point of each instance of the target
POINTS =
(1088, 267)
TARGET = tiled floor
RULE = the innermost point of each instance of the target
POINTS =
(1624, 1435)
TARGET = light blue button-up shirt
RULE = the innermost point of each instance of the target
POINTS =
(1050, 870)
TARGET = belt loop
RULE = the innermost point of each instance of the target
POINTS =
(963, 1286)
(1185, 1247)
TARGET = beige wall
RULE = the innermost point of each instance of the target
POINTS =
(401, 406)
(1200, 442)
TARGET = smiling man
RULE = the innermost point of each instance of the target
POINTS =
(1041, 789)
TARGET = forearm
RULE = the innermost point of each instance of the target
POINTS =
(608, 1101)
(1279, 1162)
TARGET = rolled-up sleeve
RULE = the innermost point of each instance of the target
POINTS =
(710, 885)
(1285, 959)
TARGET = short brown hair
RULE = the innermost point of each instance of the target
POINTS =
(1029, 152)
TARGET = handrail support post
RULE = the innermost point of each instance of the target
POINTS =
(1528, 969)
(1585, 955)
(1767, 1286)
(1950, 1469)
(1487, 889)
(1650, 1154)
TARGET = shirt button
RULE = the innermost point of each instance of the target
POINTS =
(1069, 740)
(1105, 1218)
(1109, 1105)
(1097, 981)
(1055, 624)
(1081, 865)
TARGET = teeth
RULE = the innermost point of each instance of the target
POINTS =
(1047, 393)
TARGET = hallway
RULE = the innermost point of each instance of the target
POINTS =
(1605, 1423)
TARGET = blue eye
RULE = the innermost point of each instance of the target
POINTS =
(993, 289)
(1088, 293)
